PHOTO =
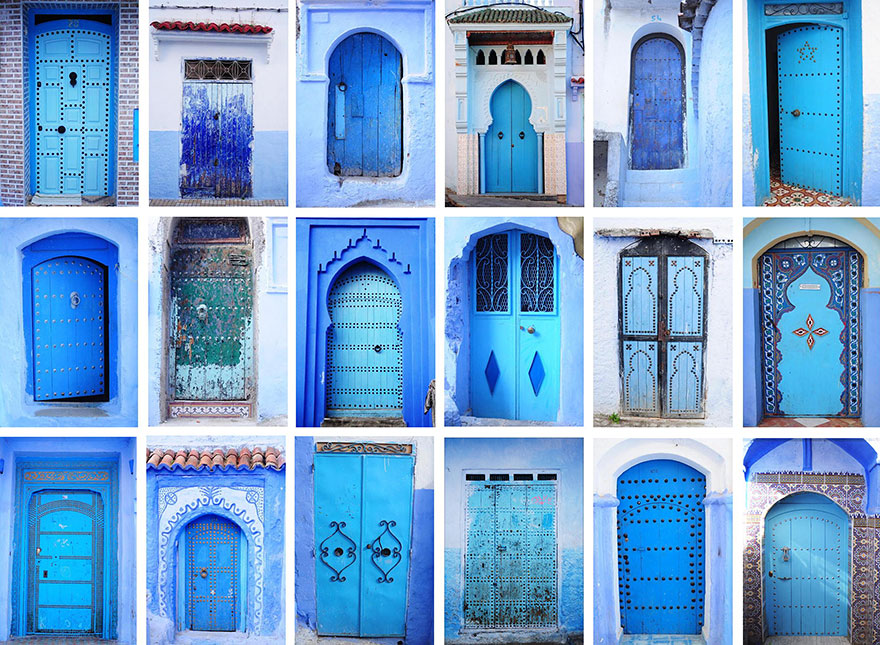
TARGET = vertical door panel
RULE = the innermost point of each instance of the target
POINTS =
(640, 289)
(684, 378)
(640, 376)
(479, 559)
(213, 552)
(685, 291)
(657, 107)
(809, 59)
(234, 103)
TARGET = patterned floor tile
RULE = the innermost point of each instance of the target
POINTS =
(785, 195)
(807, 640)
(218, 202)
(661, 639)
(812, 422)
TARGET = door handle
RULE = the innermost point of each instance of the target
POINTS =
(61, 129)
(795, 112)
(522, 135)
(377, 348)
(531, 329)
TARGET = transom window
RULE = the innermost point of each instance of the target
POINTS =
(217, 70)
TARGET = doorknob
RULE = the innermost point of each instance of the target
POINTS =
(202, 312)
(531, 329)
(795, 112)
(377, 348)
(204, 572)
(61, 129)
(500, 135)
(770, 573)
(74, 300)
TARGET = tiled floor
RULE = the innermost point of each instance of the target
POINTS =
(661, 639)
(809, 422)
(218, 202)
(785, 195)
(807, 640)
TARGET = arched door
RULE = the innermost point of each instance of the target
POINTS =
(214, 554)
(364, 345)
(657, 104)
(806, 567)
(511, 142)
(660, 548)
(515, 327)
(365, 108)
(810, 328)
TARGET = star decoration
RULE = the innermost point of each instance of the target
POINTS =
(809, 332)
(807, 52)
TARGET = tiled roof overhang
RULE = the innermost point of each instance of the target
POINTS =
(223, 28)
(531, 16)
(217, 458)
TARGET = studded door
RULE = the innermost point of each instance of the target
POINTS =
(811, 102)
(515, 327)
(72, 107)
(65, 585)
(363, 523)
(661, 548)
(510, 562)
(806, 567)
(663, 327)
(811, 331)
(364, 345)
(70, 329)
(213, 569)
(657, 104)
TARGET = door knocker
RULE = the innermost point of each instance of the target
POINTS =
(202, 312)
(377, 348)
(795, 112)
(74, 300)
(785, 554)
(341, 87)
(204, 572)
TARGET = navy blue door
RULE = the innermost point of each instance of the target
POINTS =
(213, 552)
(657, 104)
(365, 108)
(660, 545)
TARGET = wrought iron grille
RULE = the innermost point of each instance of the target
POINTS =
(803, 9)
(536, 262)
(217, 70)
(491, 273)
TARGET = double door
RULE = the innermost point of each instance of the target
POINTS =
(213, 565)
(511, 163)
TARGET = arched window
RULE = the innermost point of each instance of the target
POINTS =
(481, 58)
(518, 58)
(541, 59)
(529, 59)
(493, 57)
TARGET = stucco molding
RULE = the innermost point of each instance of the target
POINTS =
(489, 81)
(364, 244)
(160, 36)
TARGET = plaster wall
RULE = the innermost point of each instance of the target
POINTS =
(17, 408)
(269, 87)
(719, 346)
(562, 455)
(460, 237)
(75, 448)
(789, 456)
(409, 26)
(420, 586)
(749, 152)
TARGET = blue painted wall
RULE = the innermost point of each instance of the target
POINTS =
(17, 407)
(57, 449)
(420, 587)
(563, 455)
(461, 235)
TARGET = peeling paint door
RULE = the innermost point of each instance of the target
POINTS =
(806, 567)
(364, 345)
(365, 108)
(217, 129)
(510, 562)
(72, 107)
(515, 327)
(657, 104)
(213, 569)
(511, 142)
(363, 524)
(65, 591)
(660, 548)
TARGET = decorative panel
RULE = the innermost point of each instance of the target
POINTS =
(640, 376)
(213, 566)
(803, 9)
(684, 378)
(639, 295)
(217, 70)
(685, 290)
(490, 275)
(537, 265)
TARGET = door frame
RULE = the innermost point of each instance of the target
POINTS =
(464, 541)
(111, 10)
(35, 472)
(850, 24)
(483, 146)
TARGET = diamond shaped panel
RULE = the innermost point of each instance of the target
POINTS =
(492, 372)
(536, 373)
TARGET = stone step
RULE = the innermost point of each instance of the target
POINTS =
(363, 422)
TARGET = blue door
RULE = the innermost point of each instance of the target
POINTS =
(217, 132)
(72, 110)
(806, 567)
(811, 107)
(364, 345)
(510, 573)
(363, 523)
(212, 574)
(365, 108)
(69, 329)
(511, 143)
(65, 591)
(657, 104)
(515, 327)
(810, 324)
(660, 548)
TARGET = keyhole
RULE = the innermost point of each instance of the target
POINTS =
(338, 551)
(500, 135)
(45, 574)
(73, 79)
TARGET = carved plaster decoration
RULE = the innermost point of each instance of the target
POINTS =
(361, 242)
(487, 81)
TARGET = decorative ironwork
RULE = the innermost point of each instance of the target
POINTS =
(537, 269)
(67, 476)
(809, 332)
(803, 9)
(491, 273)
(364, 448)
(217, 70)
(382, 551)
(347, 550)
(212, 230)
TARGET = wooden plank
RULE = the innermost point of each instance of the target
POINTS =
(352, 66)
(390, 111)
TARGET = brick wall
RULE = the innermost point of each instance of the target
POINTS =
(127, 93)
(12, 145)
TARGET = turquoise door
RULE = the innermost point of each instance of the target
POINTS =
(212, 574)
(806, 567)
(363, 523)
(511, 163)
(515, 327)
(72, 87)
(65, 586)
(364, 345)
(811, 107)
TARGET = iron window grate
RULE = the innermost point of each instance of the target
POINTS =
(217, 70)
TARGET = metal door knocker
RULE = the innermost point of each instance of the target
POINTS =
(341, 87)
(522, 135)
(338, 552)
(204, 572)
(202, 312)
(73, 79)
(785, 554)
(61, 129)
(74, 300)
(795, 112)
(377, 348)
(500, 135)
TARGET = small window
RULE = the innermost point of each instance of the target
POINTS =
(493, 57)
(529, 59)
(499, 478)
(481, 58)
(217, 70)
(518, 58)
(547, 477)
(475, 478)
(541, 59)
(523, 477)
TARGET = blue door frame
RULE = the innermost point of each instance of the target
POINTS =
(88, 19)
(57, 472)
(850, 23)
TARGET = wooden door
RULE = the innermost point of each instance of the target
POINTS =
(213, 571)
(511, 142)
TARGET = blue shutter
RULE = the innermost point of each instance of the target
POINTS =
(213, 568)
(657, 112)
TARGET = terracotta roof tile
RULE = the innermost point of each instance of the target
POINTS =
(520, 16)
(223, 459)
(225, 27)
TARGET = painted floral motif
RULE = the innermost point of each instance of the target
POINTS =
(809, 332)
